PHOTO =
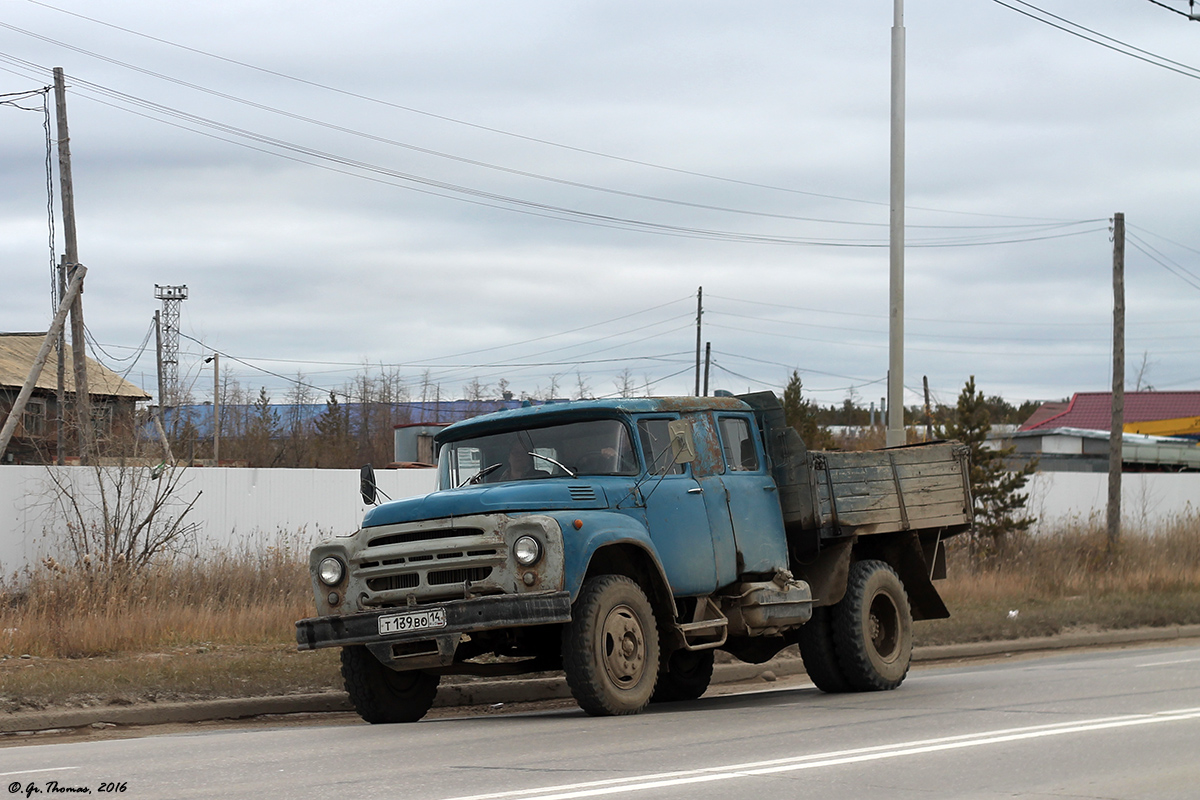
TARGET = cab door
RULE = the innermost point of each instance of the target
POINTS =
(753, 497)
(675, 512)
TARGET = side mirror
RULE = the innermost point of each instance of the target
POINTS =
(366, 485)
(683, 446)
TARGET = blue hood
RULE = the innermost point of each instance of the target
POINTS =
(539, 495)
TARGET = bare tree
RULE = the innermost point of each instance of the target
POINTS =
(624, 383)
(582, 389)
(123, 513)
(1140, 384)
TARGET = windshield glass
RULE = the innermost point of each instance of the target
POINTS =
(594, 447)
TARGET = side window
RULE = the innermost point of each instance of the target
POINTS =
(656, 447)
(738, 444)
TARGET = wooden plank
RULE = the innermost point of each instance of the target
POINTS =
(848, 474)
(869, 529)
(947, 516)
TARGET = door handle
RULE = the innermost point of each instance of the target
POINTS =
(695, 490)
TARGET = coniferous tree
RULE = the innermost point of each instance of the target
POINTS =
(999, 501)
(801, 414)
(334, 444)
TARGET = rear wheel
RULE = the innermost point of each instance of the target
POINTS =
(817, 651)
(872, 628)
(382, 695)
(610, 647)
(684, 675)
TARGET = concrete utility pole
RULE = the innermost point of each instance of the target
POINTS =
(895, 394)
(83, 410)
(699, 314)
(1117, 431)
(216, 362)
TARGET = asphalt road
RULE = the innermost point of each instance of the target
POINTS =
(1100, 724)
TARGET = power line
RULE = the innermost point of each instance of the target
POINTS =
(502, 132)
(1117, 45)
(1158, 258)
(1190, 13)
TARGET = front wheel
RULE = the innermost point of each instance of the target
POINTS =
(610, 647)
(382, 695)
(685, 675)
(872, 628)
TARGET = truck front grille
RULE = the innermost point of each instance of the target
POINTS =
(447, 576)
(432, 565)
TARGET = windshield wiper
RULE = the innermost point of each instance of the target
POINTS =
(488, 470)
(558, 464)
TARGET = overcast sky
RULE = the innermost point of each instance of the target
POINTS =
(534, 191)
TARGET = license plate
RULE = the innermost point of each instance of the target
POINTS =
(406, 621)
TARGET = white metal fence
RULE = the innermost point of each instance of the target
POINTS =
(234, 505)
(238, 505)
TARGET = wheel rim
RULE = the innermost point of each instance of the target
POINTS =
(883, 627)
(623, 646)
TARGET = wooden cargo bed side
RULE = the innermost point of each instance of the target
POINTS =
(883, 491)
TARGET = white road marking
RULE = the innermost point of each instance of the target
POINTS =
(31, 771)
(835, 758)
(1166, 663)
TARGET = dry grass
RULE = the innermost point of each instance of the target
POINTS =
(223, 626)
(1066, 579)
(251, 596)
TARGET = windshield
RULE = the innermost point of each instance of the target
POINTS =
(594, 447)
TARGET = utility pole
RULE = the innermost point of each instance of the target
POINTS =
(83, 411)
(1117, 431)
(895, 393)
(699, 314)
(707, 364)
(216, 359)
(928, 413)
(39, 361)
(60, 397)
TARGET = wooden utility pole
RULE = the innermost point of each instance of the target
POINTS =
(60, 397)
(928, 411)
(18, 408)
(1117, 432)
(707, 364)
(699, 314)
(83, 411)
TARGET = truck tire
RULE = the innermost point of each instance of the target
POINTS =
(872, 628)
(383, 695)
(610, 647)
(684, 675)
(818, 653)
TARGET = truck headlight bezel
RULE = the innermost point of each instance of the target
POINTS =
(331, 571)
(527, 550)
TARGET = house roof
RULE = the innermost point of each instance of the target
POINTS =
(17, 354)
(1093, 410)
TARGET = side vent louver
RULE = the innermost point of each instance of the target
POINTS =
(582, 492)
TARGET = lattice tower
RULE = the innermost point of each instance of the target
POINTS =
(172, 297)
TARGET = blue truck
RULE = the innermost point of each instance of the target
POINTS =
(624, 542)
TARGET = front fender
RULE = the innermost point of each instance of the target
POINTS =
(597, 529)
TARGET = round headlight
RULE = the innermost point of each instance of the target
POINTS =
(330, 571)
(527, 550)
